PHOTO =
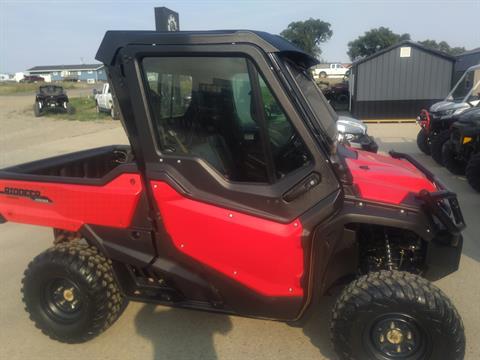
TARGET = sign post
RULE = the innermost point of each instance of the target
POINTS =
(166, 19)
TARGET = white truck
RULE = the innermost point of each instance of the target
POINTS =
(329, 70)
(104, 101)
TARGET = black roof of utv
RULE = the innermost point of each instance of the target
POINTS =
(114, 40)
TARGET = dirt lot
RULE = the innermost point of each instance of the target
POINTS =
(149, 332)
(24, 137)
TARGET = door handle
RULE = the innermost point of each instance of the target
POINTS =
(302, 187)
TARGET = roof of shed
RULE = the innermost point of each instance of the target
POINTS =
(405, 43)
(66, 67)
(469, 52)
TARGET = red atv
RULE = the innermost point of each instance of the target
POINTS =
(235, 197)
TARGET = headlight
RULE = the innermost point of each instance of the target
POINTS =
(459, 111)
(451, 112)
(446, 112)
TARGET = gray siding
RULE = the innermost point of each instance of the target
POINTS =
(390, 77)
(465, 61)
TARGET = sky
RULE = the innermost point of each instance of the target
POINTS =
(69, 32)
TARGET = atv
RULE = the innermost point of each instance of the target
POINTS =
(435, 122)
(238, 201)
(461, 153)
(51, 98)
(338, 95)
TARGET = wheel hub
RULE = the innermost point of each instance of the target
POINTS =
(395, 337)
(68, 294)
(63, 300)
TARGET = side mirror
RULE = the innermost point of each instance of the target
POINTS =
(347, 125)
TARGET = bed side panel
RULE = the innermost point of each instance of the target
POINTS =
(69, 206)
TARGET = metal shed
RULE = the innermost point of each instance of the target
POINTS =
(464, 61)
(399, 81)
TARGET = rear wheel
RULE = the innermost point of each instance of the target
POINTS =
(70, 292)
(422, 141)
(473, 172)
(436, 145)
(451, 161)
(36, 109)
(113, 113)
(323, 74)
(396, 315)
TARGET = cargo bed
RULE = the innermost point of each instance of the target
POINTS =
(94, 166)
(100, 186)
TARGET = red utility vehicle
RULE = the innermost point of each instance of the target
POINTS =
(235, 197)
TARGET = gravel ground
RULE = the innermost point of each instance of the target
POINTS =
(156, 332)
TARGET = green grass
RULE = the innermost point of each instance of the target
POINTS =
(12, 88)
(84, 110)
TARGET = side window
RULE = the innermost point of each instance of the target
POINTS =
(288, 149)
(242, 92)
(202, 107)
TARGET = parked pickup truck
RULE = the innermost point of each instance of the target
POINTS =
(332, 70)
(104, 100)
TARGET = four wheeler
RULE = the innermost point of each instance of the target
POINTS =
(461, 153)
(337, 93)
(353, 132)
(436, 121)
(240, 201)
(51, 98)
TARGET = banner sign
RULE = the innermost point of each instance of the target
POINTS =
(166, 19)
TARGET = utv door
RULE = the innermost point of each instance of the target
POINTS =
(231, 169)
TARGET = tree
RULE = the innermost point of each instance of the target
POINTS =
(373, 41)
(308, 34)
(442, 46)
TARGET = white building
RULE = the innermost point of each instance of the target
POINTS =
(18, 76)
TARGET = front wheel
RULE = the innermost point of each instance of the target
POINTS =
(473, 172)
(422, 141)
(396, 315)
(70, 292)
(436, 145)
(450, 159)
(37, 110)
(70, 109)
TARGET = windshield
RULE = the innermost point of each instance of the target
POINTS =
(467, 88)
(324, 113)
(51, 90)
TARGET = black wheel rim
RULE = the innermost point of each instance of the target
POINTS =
(63, 300)
(396, 336)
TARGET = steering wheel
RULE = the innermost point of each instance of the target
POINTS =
(291, 146)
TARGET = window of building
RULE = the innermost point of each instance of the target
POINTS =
(90, 71)
(203, 107)
(79, 73)
(55, 73)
